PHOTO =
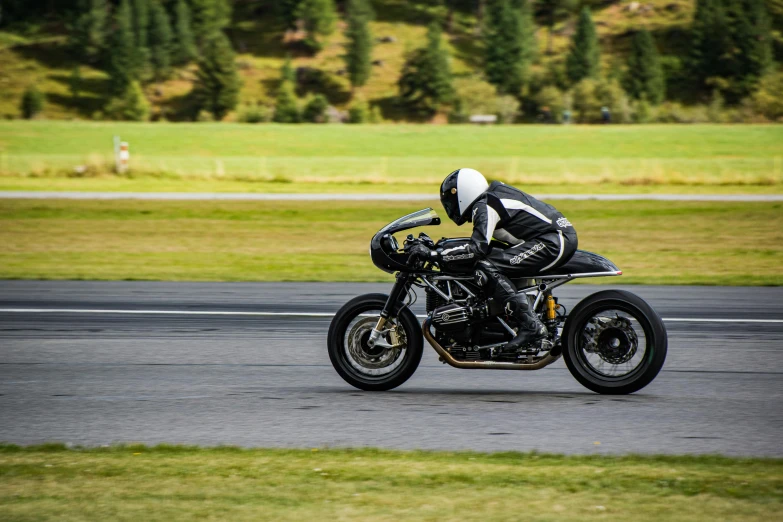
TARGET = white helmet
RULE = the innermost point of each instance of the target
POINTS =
(458, 192)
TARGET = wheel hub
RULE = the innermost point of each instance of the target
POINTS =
(368, 357)
(370, 351)
(612, 338)
(614, 346)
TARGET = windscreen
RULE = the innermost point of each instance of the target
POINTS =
(420, 218)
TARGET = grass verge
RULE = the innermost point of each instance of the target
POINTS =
(185, 483)
(110, 183)
(285, 158)
(653, 242)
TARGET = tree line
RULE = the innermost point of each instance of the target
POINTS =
(730, 51)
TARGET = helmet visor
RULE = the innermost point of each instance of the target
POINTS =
(450, 205)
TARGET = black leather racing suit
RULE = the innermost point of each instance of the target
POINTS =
(539, 238)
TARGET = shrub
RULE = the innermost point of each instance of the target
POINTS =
(315, 110)
(375, 115)
(670, 112)
(476, 97)
(715, 109)
(507, 108)
(553, 98)
(768, 98)
(457, 114)
(642, 112)
(254, 113)
(32, 102)
(204, 116)
(131, 106)
(359, 112)
(611, 95)
(586, 103)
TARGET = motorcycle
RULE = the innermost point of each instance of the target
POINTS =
(612, 342)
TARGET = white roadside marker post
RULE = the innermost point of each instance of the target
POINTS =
(124, 157)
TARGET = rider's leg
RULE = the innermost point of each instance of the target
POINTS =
(526, 260)
(531, 329)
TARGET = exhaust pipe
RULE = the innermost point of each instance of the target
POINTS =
(482, 365)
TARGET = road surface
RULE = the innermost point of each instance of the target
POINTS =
(225, 363)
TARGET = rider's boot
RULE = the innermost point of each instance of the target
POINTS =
(531, 330)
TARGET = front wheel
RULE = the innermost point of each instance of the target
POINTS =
(374, 368)
(615, 343)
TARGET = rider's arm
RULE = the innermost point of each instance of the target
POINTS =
(485, 219)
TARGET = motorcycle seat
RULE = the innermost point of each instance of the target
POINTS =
(582, 262)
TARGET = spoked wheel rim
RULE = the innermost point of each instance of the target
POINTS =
(374, 363)
(613, 344)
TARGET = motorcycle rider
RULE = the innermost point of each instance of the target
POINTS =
(539, 238)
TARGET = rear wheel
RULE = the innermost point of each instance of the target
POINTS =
(614, 342)
(374, 368)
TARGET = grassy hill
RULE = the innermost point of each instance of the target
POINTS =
(38, 55)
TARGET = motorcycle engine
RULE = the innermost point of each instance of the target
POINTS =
(451, 317)
(461, 329)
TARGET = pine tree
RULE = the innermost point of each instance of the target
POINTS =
(217, 82)
(645, 76)
(88, 34)
(122, 63)
(209, 17)
(358, 57)
(527, 31)
(425, 82)
(361, 8)
(775, 11)
(286, 11)
(141, 21)
(753, 39)
(160, 41)
(75, 83)
(503, 59)
(185, 47)
(287, 71)
(286, 109)
(319, 17)
(730, 46)
(584, 57)
(132, 105)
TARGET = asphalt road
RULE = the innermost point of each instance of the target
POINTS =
(162, 374)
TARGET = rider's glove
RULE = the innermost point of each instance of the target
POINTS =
(420, 251)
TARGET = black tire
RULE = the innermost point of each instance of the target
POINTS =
(656, 342)
(337, 352)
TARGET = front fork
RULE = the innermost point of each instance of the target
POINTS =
(401, 287)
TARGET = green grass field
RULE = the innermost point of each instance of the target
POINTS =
(398, 158)
(652, 242)
(174, 483)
